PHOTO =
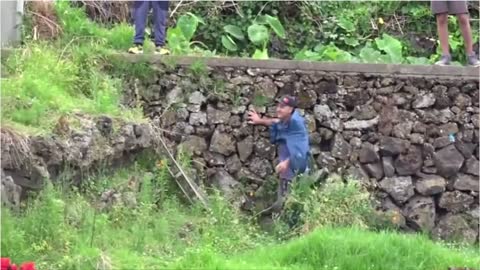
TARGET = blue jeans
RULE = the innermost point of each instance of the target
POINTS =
(160, 13)
(283, 154)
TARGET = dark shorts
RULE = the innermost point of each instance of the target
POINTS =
(450, 7)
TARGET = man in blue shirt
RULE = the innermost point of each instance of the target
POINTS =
(289, 132)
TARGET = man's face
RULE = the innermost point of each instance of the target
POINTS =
(284, 111)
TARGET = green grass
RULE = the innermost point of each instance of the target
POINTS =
(342, 248)
(65, 76)
(55, 229)
(60, 229)
(47, 84)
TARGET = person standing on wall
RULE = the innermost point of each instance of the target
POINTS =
(289, 132)
(441, 9)
(140, 14)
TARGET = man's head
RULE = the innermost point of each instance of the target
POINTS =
(286, 106)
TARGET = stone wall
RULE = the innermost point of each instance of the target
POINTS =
(96, 143)
(408, 133)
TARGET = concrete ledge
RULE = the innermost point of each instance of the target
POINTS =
(383, 69)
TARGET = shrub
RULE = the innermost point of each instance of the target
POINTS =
(333, 203)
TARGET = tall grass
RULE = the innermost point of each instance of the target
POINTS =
(78, 27)
(63, 229)
(65, 76)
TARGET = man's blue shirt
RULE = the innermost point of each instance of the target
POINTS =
(294, 135)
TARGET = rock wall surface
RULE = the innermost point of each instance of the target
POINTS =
(412, 139)
(26, 162)
(410, 134)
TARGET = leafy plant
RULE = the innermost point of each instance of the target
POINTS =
(234, 31)
(370, 55)
(325, 53)
(385, 49)
(350, 38)
(418, 60)
(333, 203)
(179, 38)
(258, 33)
(229, 44)
(392, 47)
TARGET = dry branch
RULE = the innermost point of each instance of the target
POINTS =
(44, 19)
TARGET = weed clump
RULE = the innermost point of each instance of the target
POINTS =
(332, 203)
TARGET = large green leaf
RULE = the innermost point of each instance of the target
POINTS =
(197, 18)
(351, 41)
(176, 41)
(346, 24)
(370, 55)
(386, 59)
(260, 54)
(260, 20)
(319, 48)
(229, 44)
(235, 31)
(307, 55)
(276, 25)
(344, 56)
(332, 53)
(391, 46)
(418, 60)
(188, 23)
(258, 34)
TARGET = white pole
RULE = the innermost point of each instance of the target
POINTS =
(19, 20)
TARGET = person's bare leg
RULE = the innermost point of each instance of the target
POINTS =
(464, 21)
(442, 28)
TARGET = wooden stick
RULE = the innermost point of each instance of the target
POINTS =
(192, 185)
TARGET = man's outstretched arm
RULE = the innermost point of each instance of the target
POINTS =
(254, 118)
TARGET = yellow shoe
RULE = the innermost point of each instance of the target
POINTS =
(161, 50)
(136, 49)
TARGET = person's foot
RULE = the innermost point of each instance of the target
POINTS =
(136, 49)
(444, 60)
(472, 60)
(161, 50)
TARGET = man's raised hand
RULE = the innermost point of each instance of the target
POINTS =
(253, 117)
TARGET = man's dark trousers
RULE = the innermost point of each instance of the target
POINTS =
(160, 13)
